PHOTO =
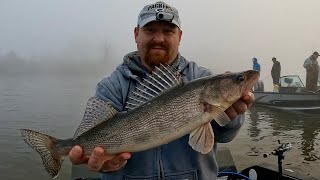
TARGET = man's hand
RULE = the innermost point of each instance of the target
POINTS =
(240, 106)
(98, 161)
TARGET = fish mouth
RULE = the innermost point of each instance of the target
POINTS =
(253, 77)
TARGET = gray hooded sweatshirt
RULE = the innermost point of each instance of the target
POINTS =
(175, 160)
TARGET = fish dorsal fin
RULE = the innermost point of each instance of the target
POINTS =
(160, 80)
(97, 111)
(202, 139)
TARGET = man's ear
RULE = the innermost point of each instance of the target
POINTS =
(180, 35)
(136, 32)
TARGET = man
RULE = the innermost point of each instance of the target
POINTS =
(275, 73)
(157, 35)
(312, 68)
(256, 66)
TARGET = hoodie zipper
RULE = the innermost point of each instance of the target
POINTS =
(160, 163)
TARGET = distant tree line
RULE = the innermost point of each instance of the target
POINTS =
(13, 64)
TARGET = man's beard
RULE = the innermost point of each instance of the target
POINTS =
(155, 59)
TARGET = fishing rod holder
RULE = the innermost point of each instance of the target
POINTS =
(284, 147)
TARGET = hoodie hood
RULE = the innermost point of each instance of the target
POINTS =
(255, 60)
(133, 68)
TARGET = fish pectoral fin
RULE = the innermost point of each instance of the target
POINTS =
(219, 116)
(202, 139)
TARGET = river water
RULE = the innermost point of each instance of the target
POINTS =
(54, 104)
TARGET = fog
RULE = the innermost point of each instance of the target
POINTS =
(221, 35)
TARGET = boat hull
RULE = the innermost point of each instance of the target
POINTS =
(268, 171)
(288, 101)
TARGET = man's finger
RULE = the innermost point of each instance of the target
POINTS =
(96, 159)
(231, 112)
(249, 98)
(116, 163)
(120, 159)
(240, 107)
(76, 155)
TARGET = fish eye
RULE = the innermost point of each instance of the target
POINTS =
(240, 78)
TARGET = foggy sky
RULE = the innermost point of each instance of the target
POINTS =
(221, 35)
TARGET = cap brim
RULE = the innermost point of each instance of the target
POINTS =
(147, 20)
(154, 18)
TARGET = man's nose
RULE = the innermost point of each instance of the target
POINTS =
(159, 37)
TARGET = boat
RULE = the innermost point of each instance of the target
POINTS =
(228, 169)
(262, 171)
(291, 95)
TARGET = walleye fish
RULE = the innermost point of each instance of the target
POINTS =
(162, 108)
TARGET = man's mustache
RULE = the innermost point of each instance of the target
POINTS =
(161, 45)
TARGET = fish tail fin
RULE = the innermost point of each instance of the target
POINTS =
(45, 145)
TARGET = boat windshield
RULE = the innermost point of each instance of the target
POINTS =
(291, 81)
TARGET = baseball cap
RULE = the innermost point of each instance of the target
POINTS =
(316, 53)
(159, 11)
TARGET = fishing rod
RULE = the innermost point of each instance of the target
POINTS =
(284, 147)
(253, 172)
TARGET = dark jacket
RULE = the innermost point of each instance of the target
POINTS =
(276, 69)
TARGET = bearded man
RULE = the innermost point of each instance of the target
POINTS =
(157, 35)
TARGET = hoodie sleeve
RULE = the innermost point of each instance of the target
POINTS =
(193, 71)
(113, 89)
(227, 133)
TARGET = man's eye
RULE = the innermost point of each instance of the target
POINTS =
(169, 31)
(149, 29)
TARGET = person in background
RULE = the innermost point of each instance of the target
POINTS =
(275, 73)
(256, 65)
(157, 35)
(312, 67)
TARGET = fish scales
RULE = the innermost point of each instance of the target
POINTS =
(147, 127)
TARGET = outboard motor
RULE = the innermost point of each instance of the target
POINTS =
(259, 86)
